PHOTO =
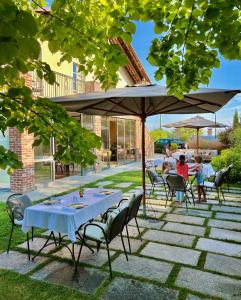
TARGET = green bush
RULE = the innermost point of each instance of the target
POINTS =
(174, 146)
(226, 158)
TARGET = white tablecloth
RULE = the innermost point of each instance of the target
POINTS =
(207, 169)
(66, 220)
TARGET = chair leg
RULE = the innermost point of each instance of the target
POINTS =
(28, 246)
(32, 234)
(128, 238)
(108, 253)
(123, 244)
(138, 229)
(77, 261)
(10, 238)
(219, 200)
(165, 191)
(60, 238)
(54, 239)
(187, 199)
(222, 193)
(167, 198)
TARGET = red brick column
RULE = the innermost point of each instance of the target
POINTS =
(22, 180)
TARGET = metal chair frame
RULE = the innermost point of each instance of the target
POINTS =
(11, 217)
(132, 214)
(120, 220)
(183, 188)
(155, 183)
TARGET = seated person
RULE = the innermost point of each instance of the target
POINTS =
(182, 169)
(169, 150)
(165, 168)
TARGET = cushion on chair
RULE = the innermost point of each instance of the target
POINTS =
(208, 184)
(94, 233)
(18, 222)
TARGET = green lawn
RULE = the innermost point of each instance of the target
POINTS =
(20, 287)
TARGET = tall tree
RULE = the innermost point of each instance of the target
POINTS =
(192, 34)
(236, 123)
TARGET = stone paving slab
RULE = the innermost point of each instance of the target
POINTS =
(223, 264)
(133, 232)
(232, 203)
(104, 183)
(142, 267)
(224, 224)
(148, 223)
(183, 228)
(184, 219)
(194, 297)
(129, 289)
(208, 283)
(116, 244)
(152, 214)
(193, 212)
(87, 279)
(225, 248)
(212, 201)
(157, 208)
(36, 245)
(226, 216)
(124, 184)
(197, 206)
(224, 234)
(229, 209)
(169, 238)
(171, 253)
(18, 262)
(87, 257)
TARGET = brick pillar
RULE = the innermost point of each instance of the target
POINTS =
(22, 180)
(210, 131)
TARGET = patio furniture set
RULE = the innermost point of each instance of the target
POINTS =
(173, 182)
(72, 218)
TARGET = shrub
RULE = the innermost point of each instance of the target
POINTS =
(226, 158)
(224, 137)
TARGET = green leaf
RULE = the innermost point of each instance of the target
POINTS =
(130, 27)
(26, 23)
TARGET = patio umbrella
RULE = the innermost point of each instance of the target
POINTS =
(197, 123)
(145, 101)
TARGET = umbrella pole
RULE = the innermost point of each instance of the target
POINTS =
(143, 150)
(197, 140)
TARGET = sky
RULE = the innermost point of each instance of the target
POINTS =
(228, 76)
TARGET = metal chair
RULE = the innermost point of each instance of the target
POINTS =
(104, 233)
(156, 180)
(176, 183)
(133, 203)
(217, 184)
(15, 205)
(227, 172)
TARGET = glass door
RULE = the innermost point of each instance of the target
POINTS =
(121, 151)
(4, 177)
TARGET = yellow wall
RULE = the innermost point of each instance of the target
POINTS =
(67, 68)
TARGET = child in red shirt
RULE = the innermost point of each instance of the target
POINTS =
(182, 169)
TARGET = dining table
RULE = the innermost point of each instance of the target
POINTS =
(66, 213)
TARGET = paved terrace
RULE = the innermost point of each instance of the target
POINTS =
(194, 255)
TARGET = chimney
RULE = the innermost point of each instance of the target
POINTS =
(210, 131)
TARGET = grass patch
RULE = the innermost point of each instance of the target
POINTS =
(16, 286)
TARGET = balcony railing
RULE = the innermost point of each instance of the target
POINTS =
(65, 85)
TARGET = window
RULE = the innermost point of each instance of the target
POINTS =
(78, 79)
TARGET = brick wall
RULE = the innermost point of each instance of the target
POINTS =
(149, 144)
(22, 180)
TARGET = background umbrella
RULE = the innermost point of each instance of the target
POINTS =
(145, 101)
(197, 123)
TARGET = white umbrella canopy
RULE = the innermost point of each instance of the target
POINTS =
(145, 101)
(197, 123)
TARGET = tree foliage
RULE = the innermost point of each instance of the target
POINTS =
(184, 133)
(156, 134)
(192, 33)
